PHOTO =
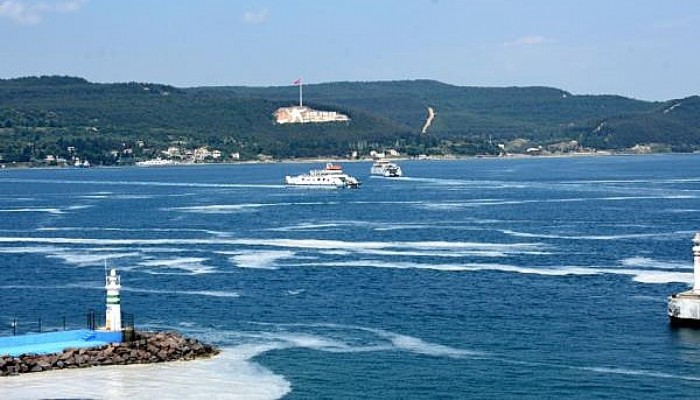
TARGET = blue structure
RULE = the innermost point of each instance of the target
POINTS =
(55, 342)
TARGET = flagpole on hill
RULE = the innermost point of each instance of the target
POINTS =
(300, 84)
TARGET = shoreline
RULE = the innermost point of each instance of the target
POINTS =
(310, 160)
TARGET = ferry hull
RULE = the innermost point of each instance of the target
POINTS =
(290, 181)
(684, 323)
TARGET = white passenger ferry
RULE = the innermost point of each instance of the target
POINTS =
(385, 168)
(331, 176)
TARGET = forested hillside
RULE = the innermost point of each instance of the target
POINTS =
(123, 122)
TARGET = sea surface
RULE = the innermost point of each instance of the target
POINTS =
(521, 278)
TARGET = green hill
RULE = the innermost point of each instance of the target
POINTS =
(123, 122)
(673, 125)
(506, 112)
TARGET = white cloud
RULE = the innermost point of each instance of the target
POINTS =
(529, 40)
(32, 12)
(255, 17)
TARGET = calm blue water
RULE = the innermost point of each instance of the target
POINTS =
(484, 278)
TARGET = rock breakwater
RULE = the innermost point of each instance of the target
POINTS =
(143, 348)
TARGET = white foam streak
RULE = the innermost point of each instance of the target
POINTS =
(471, 267)
(447, 206)
(32, 210)
(89, 259)
(229, 208)
(145, 183)
(589, 237)
(396, 342)
(634, 181)
(644, 262)
(267, 259)
(442, 181)
(117, 197)
(398, 227)
(210, 293)
(309, 341)
(191, 266)
(306, 227)
(139, 230)
(335, 252)
(447, 254)
(260, 259)
(284, 243)
(345, 341)
(416, 345)
(663, 277)
(71, 286)
(637, 372)
(228, 375)
(638, 275)
(30, 250)
(79, 207)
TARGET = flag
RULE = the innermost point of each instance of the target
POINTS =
(297, 82)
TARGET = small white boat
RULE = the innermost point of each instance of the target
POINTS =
(385, 168)
(332, 176)
(156, 162)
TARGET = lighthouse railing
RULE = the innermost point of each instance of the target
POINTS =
(13, 325)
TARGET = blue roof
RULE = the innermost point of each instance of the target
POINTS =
(55, 342)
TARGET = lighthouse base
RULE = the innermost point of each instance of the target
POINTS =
(684, 309)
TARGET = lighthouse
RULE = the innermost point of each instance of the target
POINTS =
(113, 315)
(684, 307)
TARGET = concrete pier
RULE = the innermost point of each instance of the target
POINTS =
(53, 342)
(684, 307)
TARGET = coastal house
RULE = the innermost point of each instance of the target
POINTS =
(172, 151)
(392, 153)
(201, 153)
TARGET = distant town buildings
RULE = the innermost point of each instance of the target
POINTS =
(384, 154)
(199, 154)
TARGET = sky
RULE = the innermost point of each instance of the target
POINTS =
(643, 49)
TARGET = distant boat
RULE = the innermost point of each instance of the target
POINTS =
(82, 164)
(332, 176)
(156, 162)
(385, 168)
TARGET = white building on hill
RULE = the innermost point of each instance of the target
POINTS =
(303, 114)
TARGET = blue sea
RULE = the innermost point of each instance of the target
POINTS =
(523, 278)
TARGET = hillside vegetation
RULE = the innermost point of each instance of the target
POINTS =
(119, 123)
